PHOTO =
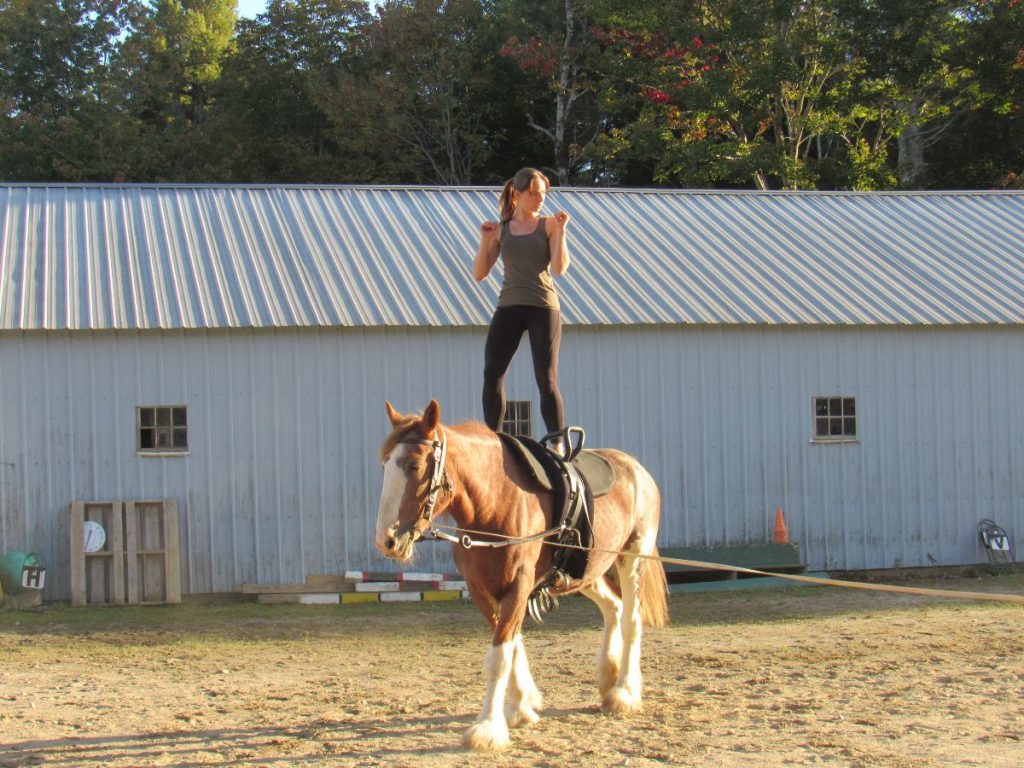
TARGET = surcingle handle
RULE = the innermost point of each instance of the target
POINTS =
(570, 450)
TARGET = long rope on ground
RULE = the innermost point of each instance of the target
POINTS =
(950, 594)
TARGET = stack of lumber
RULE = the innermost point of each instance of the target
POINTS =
(362, 587)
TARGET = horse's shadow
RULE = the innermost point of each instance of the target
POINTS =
(182, 748)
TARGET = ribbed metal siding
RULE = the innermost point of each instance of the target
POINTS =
(724, 417)
(282, 479)
(141, 257)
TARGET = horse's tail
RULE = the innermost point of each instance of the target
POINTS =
(653, 591)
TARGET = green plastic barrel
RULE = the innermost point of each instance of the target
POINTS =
(11, 564)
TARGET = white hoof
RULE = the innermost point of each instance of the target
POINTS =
(523, 715)
(620, 701)
(486, 736)
(534, 700)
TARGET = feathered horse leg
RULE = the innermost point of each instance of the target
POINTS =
(490, 731)
(625, 694)
(609, 655)
(523, 697)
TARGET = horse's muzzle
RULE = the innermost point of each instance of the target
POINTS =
(398, 545)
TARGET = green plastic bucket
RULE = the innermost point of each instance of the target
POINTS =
(11, 566)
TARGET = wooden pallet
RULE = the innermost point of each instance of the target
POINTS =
(140, 561)
(152, 552)
(97, 578)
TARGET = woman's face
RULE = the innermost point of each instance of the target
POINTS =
(530, 200)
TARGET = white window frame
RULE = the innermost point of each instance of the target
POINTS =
(838, 418)
(518, 419)
(164, 434)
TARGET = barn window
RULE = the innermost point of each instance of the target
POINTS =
(835, 418)
(162, 428)
(517, 418)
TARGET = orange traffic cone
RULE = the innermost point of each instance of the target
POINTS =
(781, 531)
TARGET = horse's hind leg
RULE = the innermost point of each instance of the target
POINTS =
(523, 697)
(609, 657)
(625, 694)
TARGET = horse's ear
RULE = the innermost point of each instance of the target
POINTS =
(431, 418)
(394, 415)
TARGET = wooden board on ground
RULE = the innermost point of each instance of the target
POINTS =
(768, 557)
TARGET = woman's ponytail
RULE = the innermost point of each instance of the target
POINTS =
(507, 203)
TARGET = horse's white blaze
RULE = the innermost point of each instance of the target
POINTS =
(390, 497)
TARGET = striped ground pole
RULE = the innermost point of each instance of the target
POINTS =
(364, 576)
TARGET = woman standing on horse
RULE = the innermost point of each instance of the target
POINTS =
(531, 247)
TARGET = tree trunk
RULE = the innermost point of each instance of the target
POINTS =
(563, 101)
(910, 149)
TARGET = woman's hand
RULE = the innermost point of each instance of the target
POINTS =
(558, 247)
(487, 253)
(488, 230)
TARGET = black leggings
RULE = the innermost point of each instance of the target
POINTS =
(503, 337)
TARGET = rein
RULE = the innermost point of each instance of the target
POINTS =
(507, 541)
(921, 591)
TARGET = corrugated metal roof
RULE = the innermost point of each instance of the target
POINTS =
(215, 256)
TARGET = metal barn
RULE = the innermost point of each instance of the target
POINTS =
(855, 359)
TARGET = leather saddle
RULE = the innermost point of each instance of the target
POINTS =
(574, 479)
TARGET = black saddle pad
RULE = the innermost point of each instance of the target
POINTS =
(597, 471)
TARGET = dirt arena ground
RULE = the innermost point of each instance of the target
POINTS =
(794, 677)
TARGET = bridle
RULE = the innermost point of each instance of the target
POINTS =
(424, 527)
(438, 481)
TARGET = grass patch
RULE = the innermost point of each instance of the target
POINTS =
(252, 622)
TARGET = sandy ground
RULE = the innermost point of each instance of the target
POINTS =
(759, 678)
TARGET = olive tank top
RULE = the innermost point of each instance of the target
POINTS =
(526, 261)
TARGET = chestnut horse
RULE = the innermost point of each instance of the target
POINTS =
(467, 472)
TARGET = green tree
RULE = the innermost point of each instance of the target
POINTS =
(171, 68)
(778, 103)
(553, 43)
(62, 116)
(188, 40)
(434, 115)
(919, 75)
(790, 94)
(282, 92)
(985, 147)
